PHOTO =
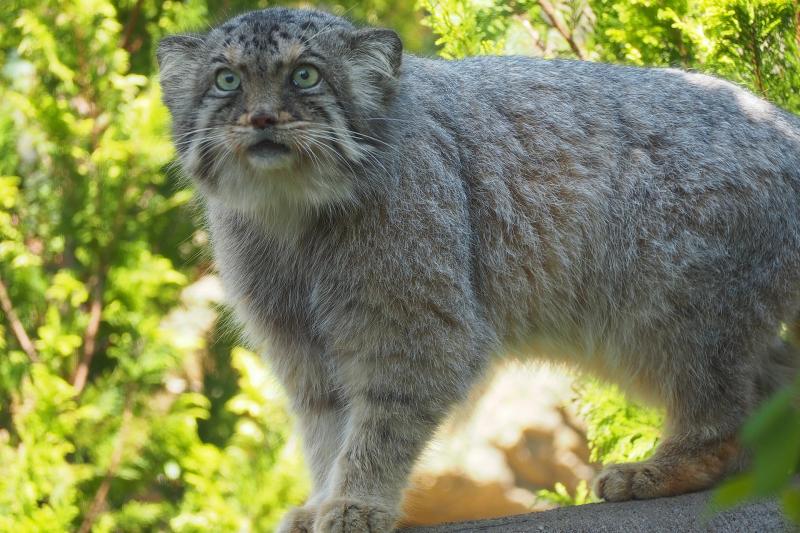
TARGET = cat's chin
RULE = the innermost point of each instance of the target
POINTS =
(270, 158)
(280, 193)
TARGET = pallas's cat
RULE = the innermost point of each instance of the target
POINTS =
(386, 225)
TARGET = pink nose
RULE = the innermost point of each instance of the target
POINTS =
(261, 119)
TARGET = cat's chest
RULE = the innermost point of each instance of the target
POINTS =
(268, 282)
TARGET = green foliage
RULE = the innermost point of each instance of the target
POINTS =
(643, 32)
(752, 42)
(561, 496)
(466, 28)
(98, 429)
(773, 434)
(618, 431)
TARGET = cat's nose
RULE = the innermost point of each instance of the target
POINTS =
(262, 119)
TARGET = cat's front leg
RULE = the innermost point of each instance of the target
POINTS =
(320, 425)
(320, 414)
(397, 399)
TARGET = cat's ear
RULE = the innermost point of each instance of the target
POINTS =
(378, 49)
(177, 59)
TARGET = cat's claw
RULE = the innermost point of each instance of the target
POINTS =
(340, 515)
(298, 520)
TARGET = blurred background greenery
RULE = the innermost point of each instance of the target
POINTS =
(125, 402)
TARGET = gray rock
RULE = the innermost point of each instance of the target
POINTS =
(685, 513)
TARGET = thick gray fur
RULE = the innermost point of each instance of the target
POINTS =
(642, 224)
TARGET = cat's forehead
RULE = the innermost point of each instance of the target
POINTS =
(273, 32)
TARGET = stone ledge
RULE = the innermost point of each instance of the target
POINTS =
(679, 514)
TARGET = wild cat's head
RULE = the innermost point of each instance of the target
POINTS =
(278, 105)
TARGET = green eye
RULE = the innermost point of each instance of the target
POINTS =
(228, 80)
(305, 77)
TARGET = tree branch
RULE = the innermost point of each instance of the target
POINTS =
(130, 25)
(797, 22)
(754, 45)
(548, 10)
(532, 33)
(81, 373)
(100, 496)
(16, 326)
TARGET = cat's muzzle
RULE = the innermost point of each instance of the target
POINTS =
(267, 148)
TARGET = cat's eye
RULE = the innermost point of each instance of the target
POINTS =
(305, 77)
(227, 80)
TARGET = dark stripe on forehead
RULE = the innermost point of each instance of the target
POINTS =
(305, 20)
(307, 25)
(273, 42)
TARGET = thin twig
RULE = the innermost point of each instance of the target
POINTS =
(797, 22)
(100, 496)
(130, 25)
(81, 373)
(16, 326)
(754, 46)
(548, 9)
(532, 33)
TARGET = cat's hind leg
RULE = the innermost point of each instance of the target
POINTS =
(708, 396)
(676, 468)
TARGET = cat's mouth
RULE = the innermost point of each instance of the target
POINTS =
(267, 148)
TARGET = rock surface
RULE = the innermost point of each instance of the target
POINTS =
(685, 513)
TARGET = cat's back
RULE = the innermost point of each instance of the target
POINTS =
(681, 115)
(596, 188)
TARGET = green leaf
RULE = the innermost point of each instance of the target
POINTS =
(732, 492)
(790, 501)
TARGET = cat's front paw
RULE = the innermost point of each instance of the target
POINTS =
(298, 520)
(341, 515)
(615, 483)
(642, 481)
